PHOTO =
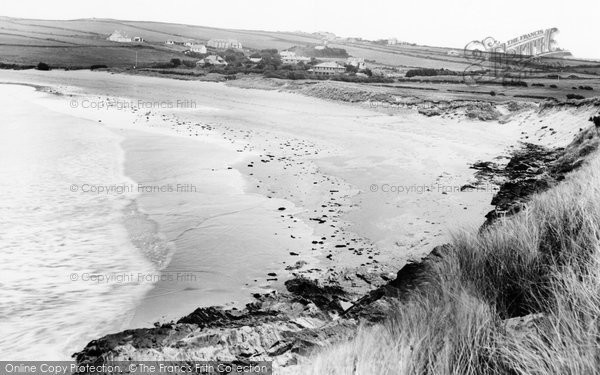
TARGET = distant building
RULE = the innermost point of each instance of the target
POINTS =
(453, 53)
(255, 60)
(198, 48)
(358, 62)
(170, 42)
(224, 44)
(289, 57)
(328, 68)
(392, 41)
(320, 48)
(118, 37)
(212, 60)
(326, 35)
(138, 39)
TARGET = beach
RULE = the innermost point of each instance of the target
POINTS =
(226, 192)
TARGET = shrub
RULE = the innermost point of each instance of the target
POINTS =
(493, 93)
(553, 86)
(43, 66)
(575, 96)
(99, 66)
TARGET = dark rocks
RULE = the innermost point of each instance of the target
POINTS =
(324, 297)
(275, 327)
(376, 305)
(532, 169)
(430, 112)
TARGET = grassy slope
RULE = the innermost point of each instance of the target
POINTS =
(544, 262)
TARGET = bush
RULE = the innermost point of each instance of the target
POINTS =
(421, 72)
(514, 83)
(493, 93)
(175, 62)
(94, 67)
(575, 96)
(189, 63)
(15, 66)
(43, 66)
(553, 86)
(590, 88)
(296, 75)
(538, 84)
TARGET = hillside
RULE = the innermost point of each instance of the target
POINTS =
(82, 42)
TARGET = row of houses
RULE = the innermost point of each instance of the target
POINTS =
(290, 57)
(224, 44)
(326, 68)
(214, 43)
(119, 37)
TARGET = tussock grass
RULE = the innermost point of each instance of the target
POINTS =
(542, 264)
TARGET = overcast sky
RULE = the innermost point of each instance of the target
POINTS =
(451, 23)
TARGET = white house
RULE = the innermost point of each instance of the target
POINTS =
(358, 62)
(255, 60)
(329, 68)
(198, 48)
(287, 54)
(170, 42)
(224, 44)
(118, 37)
(138, 39)
(212, 60)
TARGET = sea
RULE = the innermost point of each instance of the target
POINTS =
(68, 265)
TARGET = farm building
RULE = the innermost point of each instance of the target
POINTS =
(118, 37)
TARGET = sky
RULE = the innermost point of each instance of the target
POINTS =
(447, 23)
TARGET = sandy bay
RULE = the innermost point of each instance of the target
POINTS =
(281, 179)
